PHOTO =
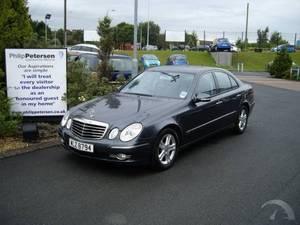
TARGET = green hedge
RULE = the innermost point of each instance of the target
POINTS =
(9, 123)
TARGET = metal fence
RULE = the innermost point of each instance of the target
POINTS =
(234, 36)
(292, 38)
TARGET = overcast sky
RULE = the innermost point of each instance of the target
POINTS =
(177, 15)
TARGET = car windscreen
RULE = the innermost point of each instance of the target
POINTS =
(223, 40)
(121, 64)
(152, 83)
(150, 57)
(180, 58)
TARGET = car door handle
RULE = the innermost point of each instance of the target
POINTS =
(219, 102)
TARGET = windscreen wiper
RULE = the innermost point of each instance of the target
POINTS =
(140, 94)
(174, 77)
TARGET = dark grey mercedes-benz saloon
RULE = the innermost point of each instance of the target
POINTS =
(155, 114)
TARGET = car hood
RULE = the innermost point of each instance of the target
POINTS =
(122, 109)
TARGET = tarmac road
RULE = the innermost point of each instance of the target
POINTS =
(223, 180)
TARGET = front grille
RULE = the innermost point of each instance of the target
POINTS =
(88, 129)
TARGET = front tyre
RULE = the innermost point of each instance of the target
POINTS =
(166, 149)
(242, 121)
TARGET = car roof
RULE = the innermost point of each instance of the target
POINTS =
(87, 45)
(177, 55)
(149, 55)
(112, 56)
(185, 69)
(120, 56)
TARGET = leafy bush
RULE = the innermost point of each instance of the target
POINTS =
(84, 85)
(9, 123)
(281, 65)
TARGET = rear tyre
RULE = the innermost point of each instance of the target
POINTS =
(166, 149)
(241, 121)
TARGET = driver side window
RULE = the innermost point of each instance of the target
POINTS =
(206, 85)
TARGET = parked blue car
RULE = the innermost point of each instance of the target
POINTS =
(149, 60)
(177, 59)
(289, 48)
(121, 64)
(221, 44)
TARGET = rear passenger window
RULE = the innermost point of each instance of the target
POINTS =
(234, 84)
(223, 81)
(75, 48)
(83, 48)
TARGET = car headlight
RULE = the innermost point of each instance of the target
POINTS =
(113, 134)
(65, 119)
(131, 132)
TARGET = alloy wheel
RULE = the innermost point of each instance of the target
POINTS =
(167, 149)
(243, 119)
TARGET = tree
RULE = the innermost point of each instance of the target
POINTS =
(105, 32)
(14, 26)
(262, 37)
(162, 44)
(60, 35)
(276, 39)
(39, 28)
(240, 43)
(154, 31)
(75, 37)
(123, 33)
(191, 39)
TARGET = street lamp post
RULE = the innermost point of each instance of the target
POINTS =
(65, 23)
(47, 17)
(135, 60)
(148, 24)
(246, 32)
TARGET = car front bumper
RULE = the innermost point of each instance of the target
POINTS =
(111, 151)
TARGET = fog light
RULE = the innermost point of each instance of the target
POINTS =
(113, 134)
(120, 156)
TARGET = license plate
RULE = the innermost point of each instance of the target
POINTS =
(81, 146)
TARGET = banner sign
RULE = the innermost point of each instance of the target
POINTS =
(36, 81)
(175, 36)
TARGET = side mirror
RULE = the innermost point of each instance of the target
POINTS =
(199, 98)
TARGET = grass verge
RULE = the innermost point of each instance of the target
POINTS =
(254, 61)
(194, 58)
